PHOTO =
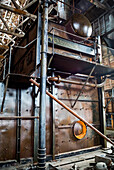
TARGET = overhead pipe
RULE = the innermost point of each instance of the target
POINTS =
(42, 114)
(73, 113)
(59, 80)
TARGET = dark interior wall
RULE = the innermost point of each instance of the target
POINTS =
(8, 127)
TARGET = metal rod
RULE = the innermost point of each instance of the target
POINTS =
(84, 86)
(108, 103)
(36, 112)
(18, 117)
(73, 113)
(7, 80)
(53, 117)
(39, 28)
(42, 116)
(18, 125)
(59, 79)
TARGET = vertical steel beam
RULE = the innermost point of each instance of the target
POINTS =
(39, 28)
(53, 117)
(42, 116)
(7, 80)
(102, 114)
(4, 72)
(36, 121)
(18, 127)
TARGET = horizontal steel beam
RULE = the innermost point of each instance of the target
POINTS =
(18, 11)
(12, 33)
(69, 45)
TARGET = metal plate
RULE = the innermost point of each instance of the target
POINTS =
(64, 138)
(74, 65)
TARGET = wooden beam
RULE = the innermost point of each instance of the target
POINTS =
(18, 11)
(1, 57)
(11, 33)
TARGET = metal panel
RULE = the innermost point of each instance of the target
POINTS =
(8, 128)
(69, 45)
(27, 63)
(27, 125)
(64, 138)
(74, 65)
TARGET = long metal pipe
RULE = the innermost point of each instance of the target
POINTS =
(42, 115)
(75, 114)
(59, 80)
(18, 117)
(36, 113)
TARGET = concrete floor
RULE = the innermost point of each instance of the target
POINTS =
(82, 161)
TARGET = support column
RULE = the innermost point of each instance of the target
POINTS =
(36, 113)
(39, 28)
(18, 126)
(42, 118)
(102, 114)
(53, 116)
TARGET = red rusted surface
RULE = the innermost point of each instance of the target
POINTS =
(65, 140)
(8, 128)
